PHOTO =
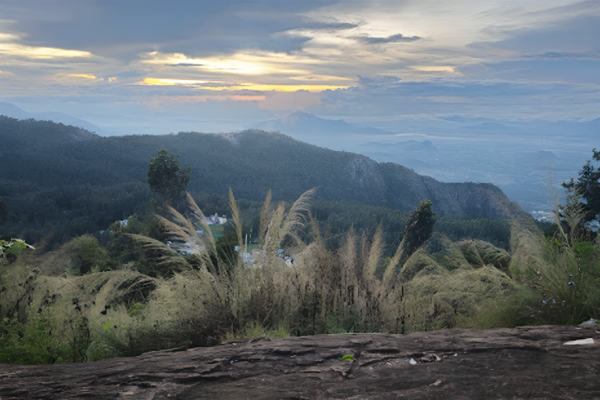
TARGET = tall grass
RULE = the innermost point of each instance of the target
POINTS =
(326, 290)
(206, 299)
(568, 281)
(562, 285)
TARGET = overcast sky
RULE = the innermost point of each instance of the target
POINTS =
(225, 65)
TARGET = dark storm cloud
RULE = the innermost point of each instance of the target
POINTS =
(399, 38)
(122, 29)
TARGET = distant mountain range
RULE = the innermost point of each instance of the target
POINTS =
(523, 158)
(309, 124)
(45, 154)
(334, 134)
(10, 110)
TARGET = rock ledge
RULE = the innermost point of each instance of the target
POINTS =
(519, 363)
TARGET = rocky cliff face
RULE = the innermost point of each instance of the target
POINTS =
(525, 362)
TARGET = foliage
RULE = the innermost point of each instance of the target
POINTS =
(201, 298)
(587, 186)
(256, 330)
(10, 249)
(89, 256)
(568, 282)
(167, 179)
(507, 311)
(79, 194)
(34, 342)
(419, 228)
(64, 212)
(24, 344)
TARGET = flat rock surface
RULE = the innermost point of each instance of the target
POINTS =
(519, 363)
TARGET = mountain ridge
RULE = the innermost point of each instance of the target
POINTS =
(250, 162)
(10, 110)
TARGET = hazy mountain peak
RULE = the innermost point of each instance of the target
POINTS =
(10, 110)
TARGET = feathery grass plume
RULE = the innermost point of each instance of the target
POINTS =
(185, 230)
(184, 223)
(283, 225)
(264, 218)
(314, 225)
(166, 256)
(295, 219)
(272, 237)
(374, 254)
(390, 270)
(201, 219)
(237, 222)
(573, 214)
(348, 263)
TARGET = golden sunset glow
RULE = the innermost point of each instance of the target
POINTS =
(261, 63)
(215, 85)
(432, 68)
(8, 37)
(85, 76)
(14, 49)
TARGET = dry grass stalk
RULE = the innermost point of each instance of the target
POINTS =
(264, 218)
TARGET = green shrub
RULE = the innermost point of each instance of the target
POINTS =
(40, 341)
(27, 343)
(88, 255)
(568, 282)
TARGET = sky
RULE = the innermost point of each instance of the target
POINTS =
(221, 66)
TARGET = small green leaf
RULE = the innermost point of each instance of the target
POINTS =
(347, 357)
(107, 324)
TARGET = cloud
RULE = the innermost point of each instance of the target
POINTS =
(225, 86)
(547, 69)
(433, 68)
(290, 101)
(378, 81)
(398, 38)
(331, 26)
(376, 97)
(579, 34)
(557, 55)
(196, 28)
(14, 49)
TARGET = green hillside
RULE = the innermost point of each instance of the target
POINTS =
(64, 179)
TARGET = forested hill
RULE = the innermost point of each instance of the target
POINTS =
(45, 154)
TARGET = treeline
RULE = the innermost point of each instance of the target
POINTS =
(62, 213)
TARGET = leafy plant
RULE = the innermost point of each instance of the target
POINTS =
(88, 255)
(10, 249)
(587, 186)
(569, 279)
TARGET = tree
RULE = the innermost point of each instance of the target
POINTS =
(587, 186)
(418, 228)
(167, 179)
(88, 254)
